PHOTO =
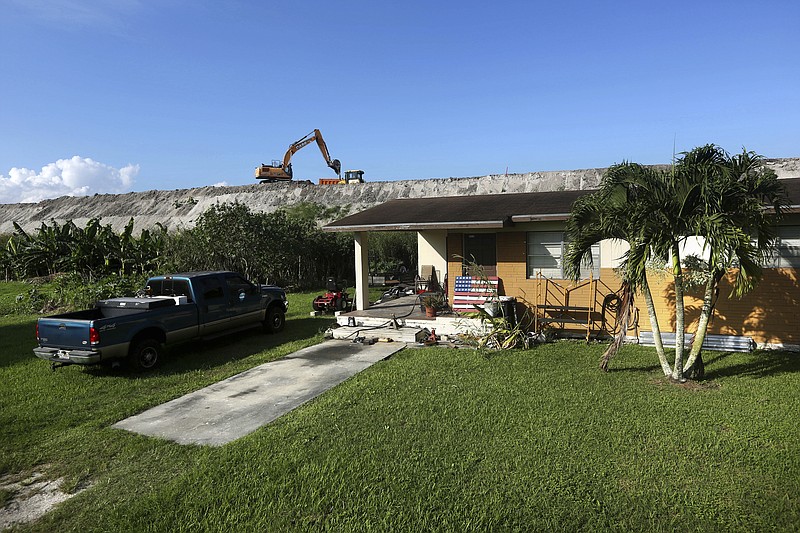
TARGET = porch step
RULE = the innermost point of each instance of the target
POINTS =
(405, 334)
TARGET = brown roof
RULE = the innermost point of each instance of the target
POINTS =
(480, 211)
(450, 212)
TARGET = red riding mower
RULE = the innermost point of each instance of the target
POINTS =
(336, 299)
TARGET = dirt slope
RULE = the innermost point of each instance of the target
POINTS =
(181, 207)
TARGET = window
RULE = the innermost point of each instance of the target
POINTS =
(170, 287)
(212, 289)
(546, 251)
(788, 255)
(237, 284)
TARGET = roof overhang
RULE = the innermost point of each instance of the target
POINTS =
(540, 218)
(414, 226)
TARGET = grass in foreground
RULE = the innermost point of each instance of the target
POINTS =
(429, 439)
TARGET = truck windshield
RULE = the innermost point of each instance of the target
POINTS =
(169, 287)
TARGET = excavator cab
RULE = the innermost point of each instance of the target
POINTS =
(274, 172)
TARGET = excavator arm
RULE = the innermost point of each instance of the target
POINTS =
(295, 147)
(332, 163)
(282, 171)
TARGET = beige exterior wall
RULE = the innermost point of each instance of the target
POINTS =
(432, 250)
(612, 253)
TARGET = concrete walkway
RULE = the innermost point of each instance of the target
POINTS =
(237, 406)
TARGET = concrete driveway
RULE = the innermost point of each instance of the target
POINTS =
(237, 406)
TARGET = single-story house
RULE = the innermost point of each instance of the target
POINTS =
(519, 238)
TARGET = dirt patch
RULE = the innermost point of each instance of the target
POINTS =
(30, 498)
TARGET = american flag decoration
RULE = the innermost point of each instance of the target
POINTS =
(470, 291)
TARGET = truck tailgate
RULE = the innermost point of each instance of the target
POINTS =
(64, 333)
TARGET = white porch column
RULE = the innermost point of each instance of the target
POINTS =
(362, 270)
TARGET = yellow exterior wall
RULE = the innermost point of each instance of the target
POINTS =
(455, 250)
(770, 314)
(512, 271)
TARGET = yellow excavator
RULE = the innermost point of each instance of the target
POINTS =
(282, 170)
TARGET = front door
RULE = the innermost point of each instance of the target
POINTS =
(480, 248)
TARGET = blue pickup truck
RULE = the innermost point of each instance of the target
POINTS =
(171, 309)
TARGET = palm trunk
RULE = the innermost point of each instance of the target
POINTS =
(651, 312)
(680, 327)
(694, 367)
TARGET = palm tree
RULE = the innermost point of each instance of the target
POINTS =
(735, 212)
(731, 202)
(626, 207)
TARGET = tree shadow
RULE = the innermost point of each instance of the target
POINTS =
(760, 364)
(632, 369)
(17, 342)
(768, 313)
(207, 354)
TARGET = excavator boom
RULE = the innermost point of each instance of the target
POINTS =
(283, 171)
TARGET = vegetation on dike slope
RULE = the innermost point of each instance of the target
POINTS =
(430, 439)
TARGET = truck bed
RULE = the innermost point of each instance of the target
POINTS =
(117, 307)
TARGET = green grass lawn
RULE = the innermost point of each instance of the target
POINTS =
(8, 293)
(430, 439)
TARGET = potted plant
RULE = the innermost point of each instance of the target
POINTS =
(433, 302)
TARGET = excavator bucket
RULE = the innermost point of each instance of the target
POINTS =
(336, 165)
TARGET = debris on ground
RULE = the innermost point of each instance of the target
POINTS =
(31, 498)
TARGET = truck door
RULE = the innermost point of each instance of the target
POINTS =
(214, 313)
(244, 301)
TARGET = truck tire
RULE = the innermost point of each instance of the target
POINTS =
(275, 320)
(145, 355)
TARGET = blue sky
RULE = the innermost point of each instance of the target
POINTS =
(170, 94)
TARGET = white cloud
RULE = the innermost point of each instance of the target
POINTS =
(221, 184)
(78, 176)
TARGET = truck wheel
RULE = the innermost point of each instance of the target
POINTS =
(145, 355)
(275, 320)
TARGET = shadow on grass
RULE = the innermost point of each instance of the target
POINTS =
(199, 354)
(17, 342)
(634, 369)
(179, 358)
(759, 364)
